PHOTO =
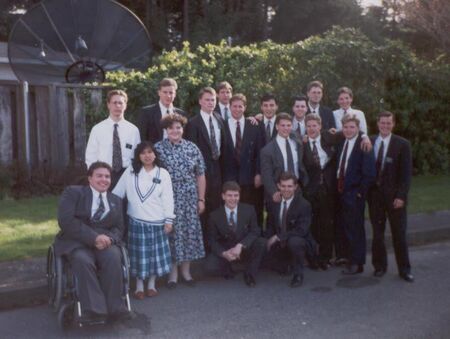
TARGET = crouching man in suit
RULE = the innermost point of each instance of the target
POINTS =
(234, 235)
(290, 239)
(91, 225)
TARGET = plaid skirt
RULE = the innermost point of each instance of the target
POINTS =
(148, 248)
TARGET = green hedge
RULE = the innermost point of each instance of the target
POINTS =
(387, 76)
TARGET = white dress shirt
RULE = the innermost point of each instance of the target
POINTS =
(377, 145)
(228, 213)
(100, 143)
(232, 126)
(222, 111)
(295, 126)
(314, 110)
(149, 194)
(282, 144)
(323, 156)
(339, 114)
(96, 202)
(205, 117)
(351, 143)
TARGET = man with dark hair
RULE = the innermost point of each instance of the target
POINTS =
(355, 174)
(288, 223)
(224, 94)
(269, 108)
(315, 94)
(299, 110)
(150, 116)
(241, 155)
(319, 160)
(282, 154)
(207, 131)
(91, 223)
(234, 235)
(388, 196)
(114, 139)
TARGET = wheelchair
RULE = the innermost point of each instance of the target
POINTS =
(62, 289)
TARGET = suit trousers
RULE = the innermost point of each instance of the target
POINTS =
(287, 253)
(322, 227)
(350, 224)
(380, 209)
(252, 257)
(99, 279)
(255, 197)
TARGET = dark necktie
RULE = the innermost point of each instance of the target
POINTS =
(284, 217)
(315, 154)
(225, 113)
(214, 148)
(342, 169)
(379, 162)
(290, 159)
(268, 131)
(100, 210)
(231, 222)
(299, 130)
(237, 146)
(117, 151)
(168, 112)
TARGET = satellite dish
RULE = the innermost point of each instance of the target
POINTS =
(77, 41)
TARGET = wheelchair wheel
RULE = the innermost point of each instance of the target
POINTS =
(54, 279)
(66, 315)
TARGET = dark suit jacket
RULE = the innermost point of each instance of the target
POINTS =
(220, 235)
(262, 129)
(397, 169)
(315, 172)
(149, 123)
(196, 132)
(74, 219)
(272, 165)
(243, 172)
(298, 222)
(360, 173)
(326, 114)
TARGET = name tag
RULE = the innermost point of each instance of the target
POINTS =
(128, 146)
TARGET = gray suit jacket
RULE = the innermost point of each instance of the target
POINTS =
(74, 219)
(272, 165)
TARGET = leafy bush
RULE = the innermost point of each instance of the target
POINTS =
(383, 76)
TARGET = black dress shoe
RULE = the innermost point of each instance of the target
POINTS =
(379, 273)
(171, 285)
(297, 280)
(122, 316)
(190, 282)
(249, 280)
(92, 318)
(353, 269)
(407, 277)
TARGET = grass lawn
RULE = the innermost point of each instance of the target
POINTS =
(28, 226)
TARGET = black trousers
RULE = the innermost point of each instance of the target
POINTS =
(255, 197)
(322, 226)
(288, 253)
(99, 279)
(252, 257)
(381, 209)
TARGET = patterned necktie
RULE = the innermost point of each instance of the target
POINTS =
(117, 151)
(214, 148)
(315, 154)
(268, 131)
(284, 217)
(225, 113)
(231, 222)
(237, 146)
(342, 169)
(100, 210)
(290, 159)
(379, 162)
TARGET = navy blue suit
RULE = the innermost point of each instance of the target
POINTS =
(359, 175)
(326, 114)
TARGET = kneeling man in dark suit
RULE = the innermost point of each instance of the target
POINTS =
(288, 223)
(91, 225)
(233, 235)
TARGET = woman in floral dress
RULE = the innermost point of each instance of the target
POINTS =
(185, 164)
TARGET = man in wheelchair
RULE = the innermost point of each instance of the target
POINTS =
(92, 228)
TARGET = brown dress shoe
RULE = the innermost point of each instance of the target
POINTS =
(151, 293)
(139, 295)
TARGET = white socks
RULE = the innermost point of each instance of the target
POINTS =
(139, 285)
(151, 283)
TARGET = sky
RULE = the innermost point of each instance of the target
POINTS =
(366, 3)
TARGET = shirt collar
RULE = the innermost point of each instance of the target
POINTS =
(164, 108)
(317, 140)
(272, 120)
(112, 122)
(222, 107)
(241, 120)
(96, 194)
(314, 109)
(281, 139)
(288, 201)
(228, 211)
(386, 139)
(206, 115)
